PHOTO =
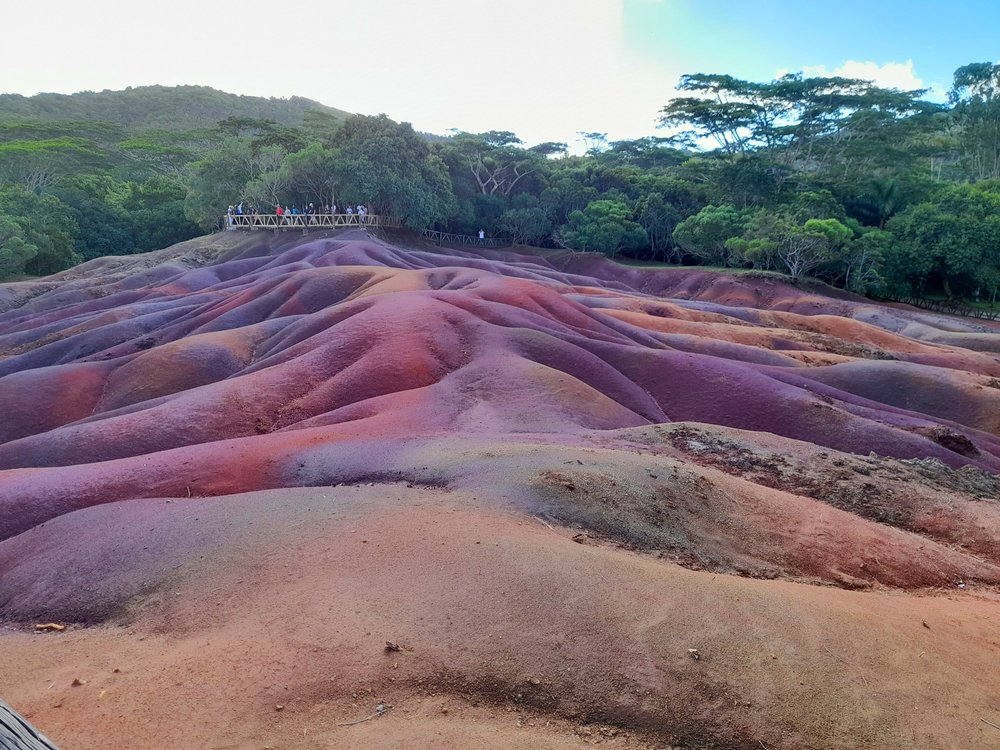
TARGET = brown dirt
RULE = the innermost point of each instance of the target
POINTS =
(510, 633)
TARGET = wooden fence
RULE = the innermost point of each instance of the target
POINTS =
(949, 308)
(463, 240)
(306, 221)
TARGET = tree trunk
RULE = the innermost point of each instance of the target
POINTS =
(17, 734)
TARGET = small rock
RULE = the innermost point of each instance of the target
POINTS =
(694, 654)
(50, 626)
(77, 682)
(391, 646)
(535, 681)
(279, 707)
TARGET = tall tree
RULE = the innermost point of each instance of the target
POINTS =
(975, 95)
(388, 166)
(36, 233)
(604, 226)
(496, 160)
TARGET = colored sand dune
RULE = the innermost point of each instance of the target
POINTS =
(594, 503)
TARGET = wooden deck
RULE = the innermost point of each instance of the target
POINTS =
(307, 221)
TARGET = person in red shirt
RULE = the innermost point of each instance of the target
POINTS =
(278, 211)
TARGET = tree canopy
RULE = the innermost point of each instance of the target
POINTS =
(866, 187)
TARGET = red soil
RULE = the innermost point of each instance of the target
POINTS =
(546, 476)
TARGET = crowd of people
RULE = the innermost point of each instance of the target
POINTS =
(307, 210)
(326, 209)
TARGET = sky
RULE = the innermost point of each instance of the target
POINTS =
(544, 69)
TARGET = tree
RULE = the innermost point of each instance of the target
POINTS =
(36, 233)
(803, 249)
(525, 226)
(311, 173)
(496, 160)
(221, 176)
(647, 153)
(596, 142)
(659, 219)
(806, 122)
(156, 210)
(864, 260)
(881, 201)
(38, 164)
(975, 94)
(782, 239)
(104, 226)
(604, 226)
(705, 234)
(947, 241)
(388, 166)
(15, 250)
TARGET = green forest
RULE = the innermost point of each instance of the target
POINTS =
(877, 191)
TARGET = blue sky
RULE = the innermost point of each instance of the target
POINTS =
(544, 69)
(755, 38)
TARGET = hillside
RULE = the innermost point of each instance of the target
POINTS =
(170, 108)
(345, 491)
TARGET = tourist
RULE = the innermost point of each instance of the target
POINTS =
(278, 211)
(482, 235)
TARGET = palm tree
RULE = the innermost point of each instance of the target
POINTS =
(882, 199)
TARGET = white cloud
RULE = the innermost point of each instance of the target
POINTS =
(893, 75)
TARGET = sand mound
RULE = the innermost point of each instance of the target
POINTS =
(239, 466)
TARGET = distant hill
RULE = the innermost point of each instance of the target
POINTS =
(175, 108)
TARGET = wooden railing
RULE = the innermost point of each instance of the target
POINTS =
(463, 240)
(306, 221)
(948, 308)
(17, 734)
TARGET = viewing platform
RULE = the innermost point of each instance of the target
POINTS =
(307, 221)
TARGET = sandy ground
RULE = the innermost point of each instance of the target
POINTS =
(582, 504)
